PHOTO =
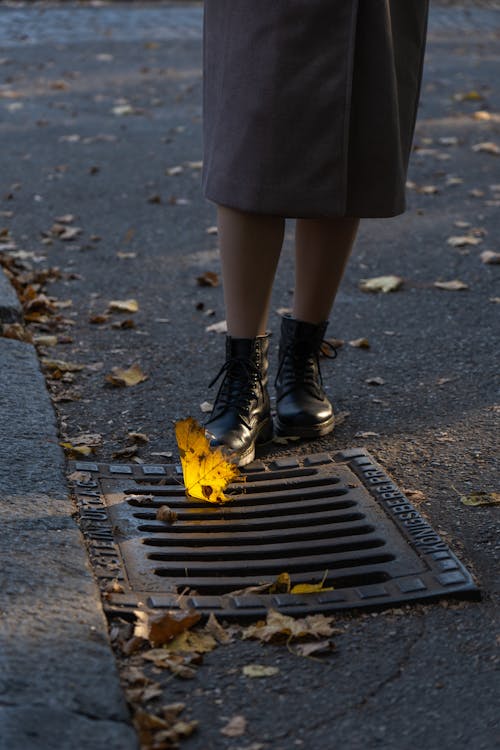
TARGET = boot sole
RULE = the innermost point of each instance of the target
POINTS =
(311, 431)
(265, 435)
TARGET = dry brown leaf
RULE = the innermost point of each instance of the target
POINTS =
(236, 727)
(119, 377)
(490, 257)
(127, 452)
(452, 286)
(124, 324)
(259, 670)
(214, 628)
(123, 305)
(209, 278)
(162, 628)
(98, 319)
(462, 240)
(45, 340)
(360, 343)
(87, 438)
(414, 496)
(16, 331)
(166, 514)
(61, 365)
(487, 147)
(282, 627)
(381, 284)
(192, 641)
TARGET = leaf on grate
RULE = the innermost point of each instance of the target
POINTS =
(206, 471)
(119, 377)
(278, 627)
(311, 588)
(166, 514)
(162, 628)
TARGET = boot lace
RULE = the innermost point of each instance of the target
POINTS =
(237, 390)
(301, 367)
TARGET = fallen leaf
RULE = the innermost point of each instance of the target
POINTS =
(461, 241)
(123, 305)
(119, 377)
(16, 331)
(214, 628)
(259, 670)
(166, 514)
(140, 437)
(490, 257)
(209, 278)
(488, 147)
(375, 381)
(61, 365)
(414, 496)
(76, 450)
(220, 327)
(172, 171)
(428, 189)
(192, 641)
(310, 588)
(360, 343)
(235, 727)
(381, 284)
(206, 407)
(87, 438)
(281, 585)
(127, 452)
(452, 286)
(468, 96)
(282, 627)
(45, 340)
(98, 319)
(308, 649)
(206, 472)
(495, 299)
(124, 324)
(481, 498)
(366, 434)
(212, 230)
(449, 140)
(159, 629)
(123, 255)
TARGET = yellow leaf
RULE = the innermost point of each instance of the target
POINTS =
(481, 498)
(76, 450)
(259, 670)
(281, 585)
(123, 305)
(381, 284)
(119, 377)
(310, 588)
(207, 472)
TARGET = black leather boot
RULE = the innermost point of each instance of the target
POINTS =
(241, 416)
(302, 408)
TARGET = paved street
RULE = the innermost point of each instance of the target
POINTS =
(100, 118)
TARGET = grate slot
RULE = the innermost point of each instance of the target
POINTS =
(310, 563)
(289, 521)
(330, 531)
(313, 505)
(226, 585)
(271, 551)
(242, 500)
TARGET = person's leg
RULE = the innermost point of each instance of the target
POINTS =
(250, 246)
(322, 250)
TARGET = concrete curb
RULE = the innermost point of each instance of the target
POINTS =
(10, 307)
(59, 686)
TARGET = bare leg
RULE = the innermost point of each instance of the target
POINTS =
(322, 248)
(250, 246)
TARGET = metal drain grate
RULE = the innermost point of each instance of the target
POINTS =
(316, 517)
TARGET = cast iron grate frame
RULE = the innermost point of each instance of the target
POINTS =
(337, 514)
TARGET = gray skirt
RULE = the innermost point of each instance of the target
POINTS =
(309, 106)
